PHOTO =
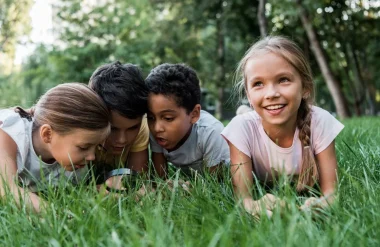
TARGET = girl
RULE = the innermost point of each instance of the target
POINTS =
(52, 141)
(285, 134)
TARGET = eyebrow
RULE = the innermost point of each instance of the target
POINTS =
(168, 111)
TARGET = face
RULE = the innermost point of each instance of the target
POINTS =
(168, 122)
(74, 149)
(274, 89)
(123, 133)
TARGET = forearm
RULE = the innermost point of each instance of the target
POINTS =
(23, 197)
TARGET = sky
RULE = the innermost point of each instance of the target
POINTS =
(41, 22)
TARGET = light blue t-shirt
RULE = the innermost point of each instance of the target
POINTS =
(31, 170)
(205, 146)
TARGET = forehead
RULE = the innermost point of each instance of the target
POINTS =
(87, 136)
(163, 103)
(268, 63)
(119, 121)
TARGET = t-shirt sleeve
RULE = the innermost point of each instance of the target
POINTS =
(215, 148)
(142, 140)
(324, 128)
(14, 126)
(237, 132)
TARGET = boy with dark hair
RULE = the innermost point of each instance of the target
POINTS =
(122, 88)
(182, 133)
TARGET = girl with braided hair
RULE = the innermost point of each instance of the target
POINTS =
(285, 134)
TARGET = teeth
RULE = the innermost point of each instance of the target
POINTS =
(274, 107)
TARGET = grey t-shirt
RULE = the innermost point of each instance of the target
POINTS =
(205, 146)
(31, 170)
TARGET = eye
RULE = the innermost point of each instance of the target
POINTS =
(168, 119)
(83, 148)
(257, 84)
(150, 118)
(284, 79)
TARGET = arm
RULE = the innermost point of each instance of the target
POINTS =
(160, 164)
(8, 173)
(242, 180)
(138, 161)
(327, 165)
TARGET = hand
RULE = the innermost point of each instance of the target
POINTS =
(181, 183)
(314, 203)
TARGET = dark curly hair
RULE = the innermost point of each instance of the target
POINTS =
(122, 88)
(178, 81)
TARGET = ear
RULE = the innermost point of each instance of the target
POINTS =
(195, 114)
(305, 94)
(46, 133)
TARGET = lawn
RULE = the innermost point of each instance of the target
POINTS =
(208, 215)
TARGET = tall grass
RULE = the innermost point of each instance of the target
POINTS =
(208, 214)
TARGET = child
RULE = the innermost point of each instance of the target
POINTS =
(181, 133)
(122, 88)
(52, 141)
(285, 134)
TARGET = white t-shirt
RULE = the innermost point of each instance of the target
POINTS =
(247, 134)
(204, 146)
(31, 170)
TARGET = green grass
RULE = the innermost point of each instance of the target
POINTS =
(208, 216)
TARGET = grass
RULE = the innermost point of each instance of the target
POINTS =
(208, 216)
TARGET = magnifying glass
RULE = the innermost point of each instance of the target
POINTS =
(129, 179)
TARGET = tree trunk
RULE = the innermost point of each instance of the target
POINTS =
(262, 19)
(332, 83)
(221, 66)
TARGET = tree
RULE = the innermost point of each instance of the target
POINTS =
(14, 22)
(332, 83)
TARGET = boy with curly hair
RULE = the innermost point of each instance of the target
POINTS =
(182, 133)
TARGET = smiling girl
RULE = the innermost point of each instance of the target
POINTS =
(52, 141)
(285, 134)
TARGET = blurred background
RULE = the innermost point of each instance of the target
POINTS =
(47, 42)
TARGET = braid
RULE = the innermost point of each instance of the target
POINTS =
(28, 114)
(309, 170)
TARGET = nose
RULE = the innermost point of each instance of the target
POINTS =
(121, 138)
(90, 156)
(158, 126)
(272, 92)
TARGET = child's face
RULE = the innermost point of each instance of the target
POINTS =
(274, 89)
(123, 133)
(168, 122)
(74, 149)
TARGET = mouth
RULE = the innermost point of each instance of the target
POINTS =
(161, 141)
(118, 148)
(79, 166)
(275, 109)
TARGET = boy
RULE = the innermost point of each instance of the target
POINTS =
(122, 88)
(181, 133)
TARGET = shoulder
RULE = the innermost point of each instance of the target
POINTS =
(207, 120)
(322, 117)
(246, 120)
(324, 128)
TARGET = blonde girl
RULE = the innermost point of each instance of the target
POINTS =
(52, 141)
(285, 134)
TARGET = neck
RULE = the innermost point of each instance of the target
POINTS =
(182, 141)
(41, 148)
(283, 134)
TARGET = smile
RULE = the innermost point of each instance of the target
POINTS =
(274, 107)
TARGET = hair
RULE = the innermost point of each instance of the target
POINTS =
(68, 106)
(122, 88)
(178, 81)
(291, 52)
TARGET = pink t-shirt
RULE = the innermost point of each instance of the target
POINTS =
(247, 134)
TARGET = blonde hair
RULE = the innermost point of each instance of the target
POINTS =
(69, 106)
(290, 51)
